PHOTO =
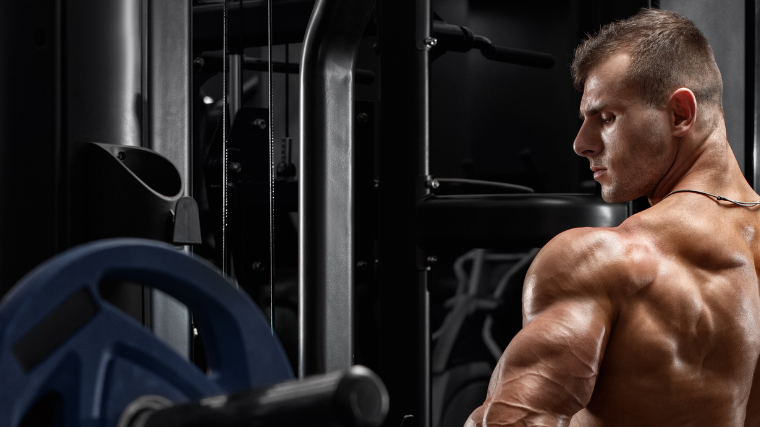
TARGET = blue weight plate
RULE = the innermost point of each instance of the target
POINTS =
(59, 336)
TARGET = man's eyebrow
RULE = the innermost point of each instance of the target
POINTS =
(591, 111)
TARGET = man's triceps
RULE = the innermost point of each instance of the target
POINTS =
(548, 371)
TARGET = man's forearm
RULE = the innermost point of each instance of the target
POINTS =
(548, 371)
(525, 406)
(503, 414)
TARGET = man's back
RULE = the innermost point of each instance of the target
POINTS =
(655, 322)
(686, 337)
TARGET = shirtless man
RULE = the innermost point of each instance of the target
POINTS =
(656, 322)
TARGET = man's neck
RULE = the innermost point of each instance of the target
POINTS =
(706, 163)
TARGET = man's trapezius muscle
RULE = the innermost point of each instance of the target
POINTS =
(655, 322)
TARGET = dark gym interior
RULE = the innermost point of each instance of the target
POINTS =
(334, 183)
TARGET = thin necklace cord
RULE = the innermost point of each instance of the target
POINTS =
(718, 198)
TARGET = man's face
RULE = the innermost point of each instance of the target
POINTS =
(628, 143)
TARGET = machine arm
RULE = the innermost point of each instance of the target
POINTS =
(456, 38)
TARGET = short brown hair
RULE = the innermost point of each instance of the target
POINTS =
(667, 52)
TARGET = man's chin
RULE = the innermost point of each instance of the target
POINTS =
(610, 196)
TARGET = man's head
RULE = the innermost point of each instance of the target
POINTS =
(667, 52)
(642, 80)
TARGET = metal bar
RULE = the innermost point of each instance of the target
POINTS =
(102, 91)
(168, 87)
(102, 82)
(355, 398)
(326, 203)
(213, 60)
(423, 24)
(104, 74)
(286, 65)
(457, 38)
(235, 85)
(169, 125)
(404, 39)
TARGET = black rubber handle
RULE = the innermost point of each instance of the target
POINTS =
(460, 39)
(354, 398)
(518, 56)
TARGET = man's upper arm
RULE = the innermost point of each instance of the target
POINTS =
(548, 371)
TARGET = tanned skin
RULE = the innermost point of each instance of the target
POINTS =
(655, 322)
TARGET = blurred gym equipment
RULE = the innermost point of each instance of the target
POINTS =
(70, 357)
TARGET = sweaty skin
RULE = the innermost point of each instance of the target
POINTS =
(655, 322)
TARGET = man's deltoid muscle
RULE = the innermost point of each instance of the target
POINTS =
(655, 322)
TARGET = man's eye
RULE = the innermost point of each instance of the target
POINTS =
(608, 119)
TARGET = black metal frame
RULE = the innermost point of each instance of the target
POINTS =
(403, 29)
(167, 128)
(290, 17)
(326, 185)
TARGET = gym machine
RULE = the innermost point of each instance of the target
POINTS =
(110, 84)
(117, 160)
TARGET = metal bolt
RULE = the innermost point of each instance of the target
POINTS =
(430, 42)
(260, 123)
(432, 259)
(432, 184)
(195, 332)
(362, 117)
(362, 265)
(235, 167)
(121, 155)
(199, 62)
(258, 266)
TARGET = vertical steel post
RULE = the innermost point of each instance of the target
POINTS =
(404, 41)
(326, 184)
(168, 130)
(235, 84)
(86, 72)
(102, 89)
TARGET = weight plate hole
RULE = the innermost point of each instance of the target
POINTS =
(135, 300)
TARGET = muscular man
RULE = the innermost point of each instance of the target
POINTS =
(656, 322)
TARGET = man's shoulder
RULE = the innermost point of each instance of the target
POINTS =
(588, 255)
(602, 263)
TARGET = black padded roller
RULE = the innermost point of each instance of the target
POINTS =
(354, 398)
(510, 220)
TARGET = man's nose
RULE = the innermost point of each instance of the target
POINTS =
(588, 142)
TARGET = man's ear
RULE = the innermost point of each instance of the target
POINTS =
(683, 110)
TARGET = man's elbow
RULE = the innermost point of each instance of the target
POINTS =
(476, 418)
(503, 414)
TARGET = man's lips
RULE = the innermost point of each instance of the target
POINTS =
(598, 171)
